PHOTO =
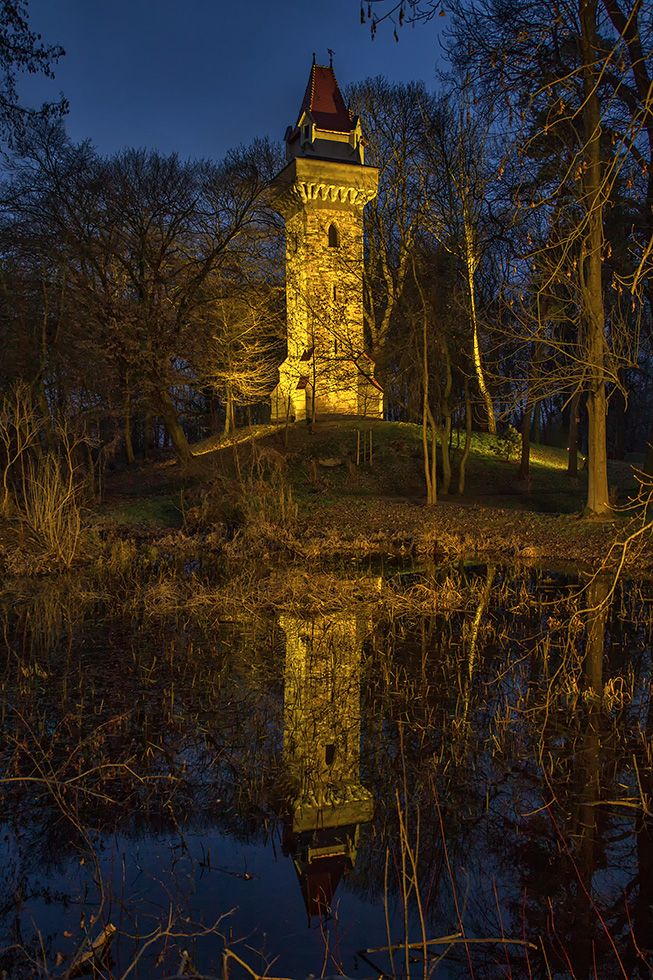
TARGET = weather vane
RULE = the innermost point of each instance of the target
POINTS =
(330, 57)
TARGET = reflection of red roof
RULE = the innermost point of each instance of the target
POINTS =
(319, 882)
(324, 101)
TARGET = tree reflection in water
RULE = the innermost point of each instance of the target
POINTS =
(465, 752)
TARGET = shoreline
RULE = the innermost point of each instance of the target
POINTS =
(357, 527)
(454, 530)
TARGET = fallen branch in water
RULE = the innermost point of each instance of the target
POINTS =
(456, 937)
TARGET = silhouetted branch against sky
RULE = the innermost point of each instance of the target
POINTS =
(399, 13)
(23, 52)
(199, 78)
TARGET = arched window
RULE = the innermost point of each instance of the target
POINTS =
(333, 236)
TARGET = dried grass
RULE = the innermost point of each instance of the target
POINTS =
(52, 511)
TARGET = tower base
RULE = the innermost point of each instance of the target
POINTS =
(339, 388)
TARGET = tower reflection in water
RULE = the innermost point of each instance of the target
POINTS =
(321, 753)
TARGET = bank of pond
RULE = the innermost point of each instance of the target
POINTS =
(375, 769)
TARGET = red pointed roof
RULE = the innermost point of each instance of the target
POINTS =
(324, 101)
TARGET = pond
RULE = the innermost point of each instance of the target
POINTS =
(445, 772)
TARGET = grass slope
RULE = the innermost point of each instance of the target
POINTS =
(334, 460)
(322, 494)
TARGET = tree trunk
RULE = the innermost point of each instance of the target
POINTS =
(167, 409)
(537, 421)
(524, 464)
(429, 458)
(468, 440)
(229, 424)
(590, 272)
(444, 432)
(472, 262)
(572, 462)
(597, 463)
(430, 471)
(127, 431)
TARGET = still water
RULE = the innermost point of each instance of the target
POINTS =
(460, 753)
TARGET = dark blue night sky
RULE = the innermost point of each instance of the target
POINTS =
(197, 77)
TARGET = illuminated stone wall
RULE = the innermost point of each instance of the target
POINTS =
(322, 721)
(324, 290)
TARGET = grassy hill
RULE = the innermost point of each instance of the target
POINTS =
(349, 489)
(343, 459)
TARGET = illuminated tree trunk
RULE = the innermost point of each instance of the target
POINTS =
(472, 264)
(590, 273)
(229, 423)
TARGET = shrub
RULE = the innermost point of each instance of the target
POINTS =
(508, 445)
(51, 509)
(267, 495)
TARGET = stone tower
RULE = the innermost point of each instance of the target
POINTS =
(326, 800)
(321, 194)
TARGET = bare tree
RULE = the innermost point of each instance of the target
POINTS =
(559, 67)
(136, 237)
(460, 149)
(394, 120)
(245, 323)
(549, 62)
